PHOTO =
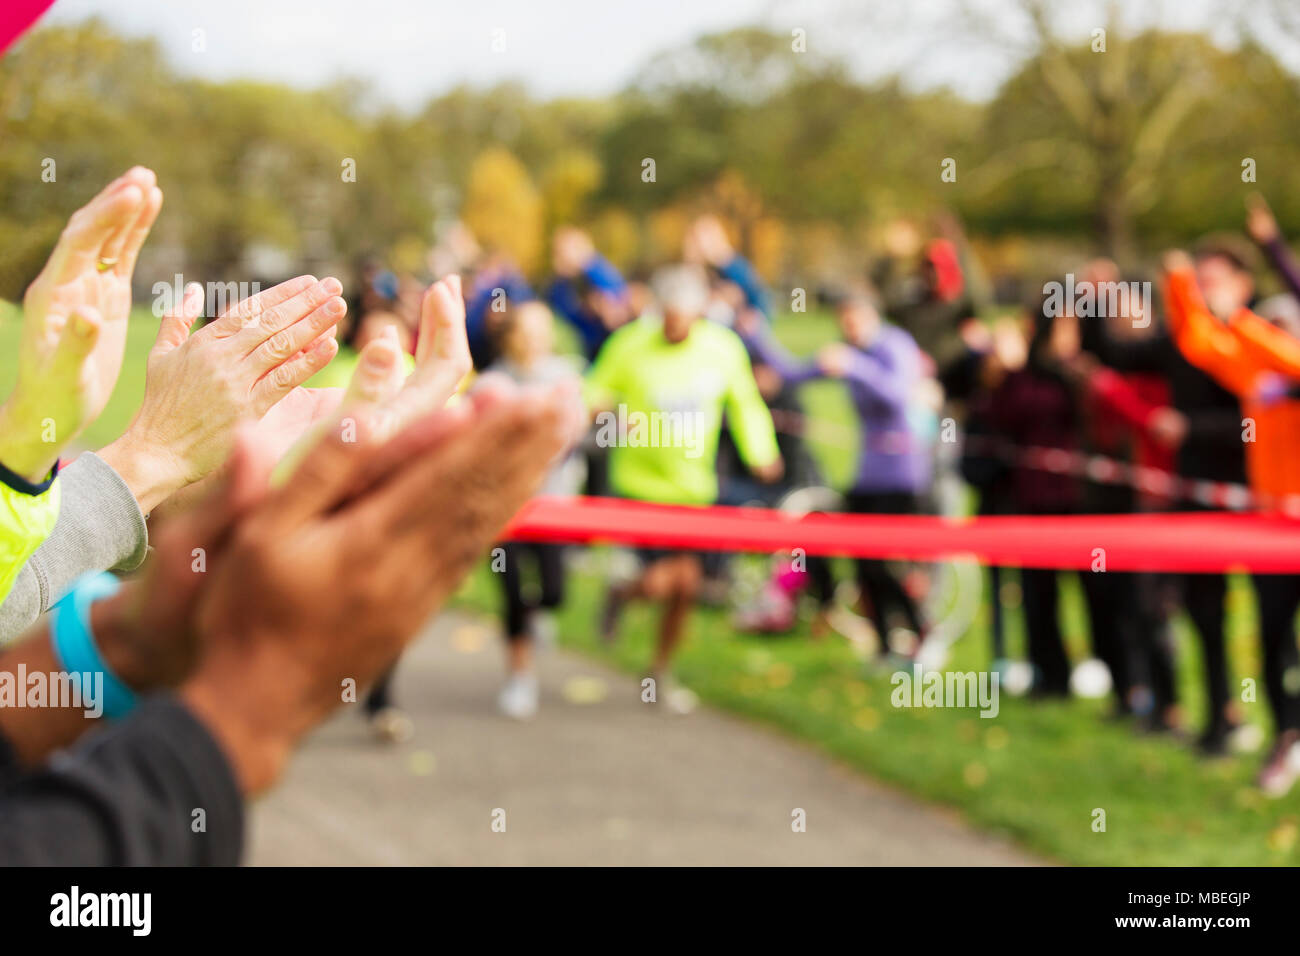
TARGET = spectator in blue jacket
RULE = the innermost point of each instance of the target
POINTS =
(706, 243)
(588, 292)
(495, 288)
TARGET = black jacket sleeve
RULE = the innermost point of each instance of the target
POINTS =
(128, 796)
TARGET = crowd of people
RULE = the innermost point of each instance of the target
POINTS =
(1193, 376)
(308, 479)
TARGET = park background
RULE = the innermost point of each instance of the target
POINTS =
(814, 159)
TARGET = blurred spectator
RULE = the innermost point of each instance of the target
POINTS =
(588, 292)
(1260, 363)
(881, 367)
(527, 356)
(496, 286)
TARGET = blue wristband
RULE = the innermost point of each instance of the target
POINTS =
(74, 642)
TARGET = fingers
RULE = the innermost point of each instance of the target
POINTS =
(249, 472)
(100, 222)
(139, 232)
(341, 464)
(325, 403)
(114, 248)
(484, 476)
(248, 311)
(269, 327)
(442, 322)
(283, 379)
(442, 356)
(176, 325)
(284, 332)
(376, 379)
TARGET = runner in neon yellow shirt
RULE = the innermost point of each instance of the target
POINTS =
(659, 389)
(660, 405)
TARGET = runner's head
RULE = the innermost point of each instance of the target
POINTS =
(683, 294)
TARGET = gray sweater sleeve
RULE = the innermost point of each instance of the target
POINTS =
(100, 528)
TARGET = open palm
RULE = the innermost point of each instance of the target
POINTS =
(75, 312)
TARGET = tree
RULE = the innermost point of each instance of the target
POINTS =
(503, 208)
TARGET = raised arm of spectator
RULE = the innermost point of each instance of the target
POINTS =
(1263, 228)
(245, 367)
(1235, 353)
(1204, 341)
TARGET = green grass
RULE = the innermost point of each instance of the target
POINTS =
(1036, 772)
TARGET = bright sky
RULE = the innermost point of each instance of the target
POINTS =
(414, 48)
(411, 49)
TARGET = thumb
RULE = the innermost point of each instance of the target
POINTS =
(175, 326)
(77, 341)
(375, 382)
(249, 478)
(379, 374)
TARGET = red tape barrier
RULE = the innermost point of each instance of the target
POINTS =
(1190, 542)
(1099, 469)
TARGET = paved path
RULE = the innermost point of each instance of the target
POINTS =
(591, 781)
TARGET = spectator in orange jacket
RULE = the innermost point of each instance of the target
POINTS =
(1260, 364)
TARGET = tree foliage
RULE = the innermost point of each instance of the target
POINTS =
(1122, 150)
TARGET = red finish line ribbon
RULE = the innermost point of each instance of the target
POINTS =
(1190, 542)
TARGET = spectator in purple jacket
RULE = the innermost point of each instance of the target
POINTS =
(882, 368)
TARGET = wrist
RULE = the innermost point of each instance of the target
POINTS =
(149, 471)
(117, 635)
(22, 448)
(256, 754)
